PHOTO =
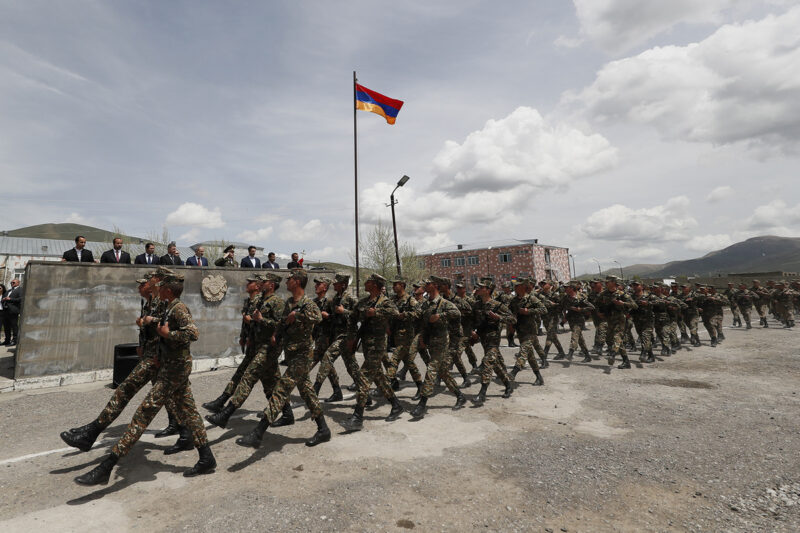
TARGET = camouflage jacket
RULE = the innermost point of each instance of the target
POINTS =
(644, 307)
(372, 329)
(526, 324)
(248, 308)
(441, 330)
(712, 304)
(675, 306)
(271, 309)
(321, 331)
(690, 300)
(297, 337)
(745, 299)
(488, 328)
(340, 325)
(730, 294)
(465, 309)
(614, 305)
(410, 308)
(148, 333)
(552, 302)
(763, 295)
(174, 354)
(594, 298)
(576, 308)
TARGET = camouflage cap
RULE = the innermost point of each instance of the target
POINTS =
(756, 281)
(341, 278)
(323, 279)
(575, 284)
(255, 278)
(483, 284)
(399, 280)
(460, 285)
(269, 276)
(673, 284)
(418, 284)
(520, 281)
(171, 278)
(439, 280)
(635, 282)
(613, 278)
(298, 273)
(145, 279)
(163, 271)
(376, 278)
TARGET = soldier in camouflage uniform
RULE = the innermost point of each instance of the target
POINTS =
(675, 308)
(323, 331)
(373, 312)
(466, 327)
(763, 302)
(744, 300)
(643, 320)
(404, 335)
(456, 332)
(294, 335)
(613, 305)
(600, 325)
(691, 315)
(730, 294)
(682, 323)
(662, 319)
(527, 309)
(552, 301)
(505, 297)
(146, 369)
(342, 306)
(177, 330)
(441, 319)
(488, 317)
(786, 297)
(711, 306)
(266, 316)
(577, 307)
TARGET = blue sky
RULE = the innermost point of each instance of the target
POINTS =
(633, 131)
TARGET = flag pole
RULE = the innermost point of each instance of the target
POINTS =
(355, 179)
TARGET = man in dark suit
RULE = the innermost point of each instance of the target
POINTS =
(79, 254)
(12, 304)
(197, 259)
(171, 257)
(251, 261)
(295, 262)
(149, 256)
(116, 255)
(270, 262)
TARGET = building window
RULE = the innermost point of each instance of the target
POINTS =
(445, 261)
(474, 280)
(472, 260)
(505, 257)
(547, 255)
(421, 264)
(460, 261)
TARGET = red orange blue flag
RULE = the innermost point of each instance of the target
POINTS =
(367, 100)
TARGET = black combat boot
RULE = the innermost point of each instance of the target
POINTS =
(586, 357)
(749, 326)
(401, 375)
(323, 433)
(317, 387)
(626, 363)
(509, 389)
(215, 406)
(336, 396)
(514, 371)
(460, 401)
(395, 384)
(539, 379)
(665, 350)
(650, 358)
(713, 342)
(543, 363)
(396, 411)
(221, 419)
(684, 338)
(421, 408)
(559, 356)
(356, 420)
(611, 356)
(183, 443)
(480, 399)
(721, 336)
(418, 395)
(353, 387)
(465, 382)
(570, 354)
(287, 417)
(205, 465)
(766, 325)
(83, 437)
(171, 429)
(100, 474)
(253, 439)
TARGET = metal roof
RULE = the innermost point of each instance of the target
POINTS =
(485, 245)
(57, 247)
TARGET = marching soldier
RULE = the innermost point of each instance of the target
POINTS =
(505, 297)
(322, 331)
(466, 327)
(551, 300)
(744, 300)
(489, 316)
(576, 308)
(762, 306)
(404, 334)
(600, 325)
(730, 294)
(456, 331)
(528, 310)
(643, 320)
(614, 304)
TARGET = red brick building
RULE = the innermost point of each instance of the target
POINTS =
(502, 260)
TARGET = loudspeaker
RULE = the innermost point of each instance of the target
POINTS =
(125, 360)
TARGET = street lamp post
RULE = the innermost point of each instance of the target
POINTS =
(574, 271)
(392, 201)
(621, 275)
(598, 266)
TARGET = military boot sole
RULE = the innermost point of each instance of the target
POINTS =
(318, 438)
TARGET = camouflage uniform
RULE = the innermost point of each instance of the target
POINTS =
(551, 320)
(488, 331)
(643, 321)
(576, 309)
(171, 383)
(614, 314)
(763, 304)
(437, 338)
(691, 316)
(404, 335)
(786, 298)
(457, 336)
(529, 346)
(373, 339)
(711, 305)
(662, 320)
(730, 294)
(675, 307)
(600, 324)
(339, 343)
(744, 300)
(466, 328)
(505, 299)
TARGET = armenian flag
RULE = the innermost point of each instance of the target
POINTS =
(367, 100)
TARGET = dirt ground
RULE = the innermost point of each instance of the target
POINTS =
(704, 440)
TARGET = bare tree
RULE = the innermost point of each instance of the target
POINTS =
(378, 255)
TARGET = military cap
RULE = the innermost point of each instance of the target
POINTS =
(399, 280)
(163, 271)
(674, 284)
(682, 285)
(440, 281)
(613, 278)
(269, 276)
(145, 279)
(507, 284)
(460, 285)
(520, 281)
(635, 282)
(298, 273)
(255, 278)
(228, 248)
(756, 281)
(341, 278)
(376, 278)
(418, 284)
(323, 279)
(171, 278)
(574, 284)
(484, 284)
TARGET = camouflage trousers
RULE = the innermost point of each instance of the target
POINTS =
(615, 333)
(629, 332)
(249, 353)
(600, 329)
(464, 346)
(296, 375)
(454, 355)
(171, 386)
(746, 314)
(576, 336)
(492, 362)
(762, 309)
(372, 372)
(713, 325)
(787, 313)
(403, 354)
(682, 325)
(529, 348)
(146, 370)
(691, 323)
(644, 328)
(263, 367)
(551, 324)
(326, 370)
(439, 367)
(665, 332)
(423, 352)
(735, 310)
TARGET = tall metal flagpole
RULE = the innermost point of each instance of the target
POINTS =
(355, 180)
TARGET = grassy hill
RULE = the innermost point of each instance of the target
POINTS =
(68, 231)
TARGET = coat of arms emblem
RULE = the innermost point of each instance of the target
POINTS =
(214, 288)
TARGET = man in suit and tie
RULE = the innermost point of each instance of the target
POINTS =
(171, 257)
(251, 261)
(270, 262)
(149, 256)
(116, 255)
(12, 304)
(79, 254)
(197, 259)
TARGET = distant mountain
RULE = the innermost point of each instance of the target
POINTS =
(759, 254)
(69, 231)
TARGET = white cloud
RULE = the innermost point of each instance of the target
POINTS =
(709, 243)
(718, 194)
(776, 215)
(259, 235)
(740, 84)
(191, 214)
(328, 253)
(292, 230)
(636, 253)
(619, 25)
(191, 235)
(562, 41)
(668, 222)
(77, 218)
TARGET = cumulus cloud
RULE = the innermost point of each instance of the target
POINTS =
(638, 253)
(619, 25)
(709, 243)
(776, 215)
(718, 194)
(77, 218)
(739, 85)
(259, 235)
(191, 214)
(669, 222)
(292, 230)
